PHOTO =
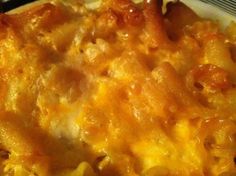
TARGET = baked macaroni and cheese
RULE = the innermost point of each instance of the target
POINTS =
(122, 89)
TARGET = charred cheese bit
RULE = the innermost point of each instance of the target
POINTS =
(118, 89)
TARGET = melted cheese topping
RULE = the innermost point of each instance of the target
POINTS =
(119, 90)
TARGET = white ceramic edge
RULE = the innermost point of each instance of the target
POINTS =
(209, 11)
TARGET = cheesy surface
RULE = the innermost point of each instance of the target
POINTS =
(121, 90)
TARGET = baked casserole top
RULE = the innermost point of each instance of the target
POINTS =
(124, 89)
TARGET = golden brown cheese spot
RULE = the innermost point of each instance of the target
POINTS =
(119, 90)
(131, 14)
(210, 76)
(108, 21)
